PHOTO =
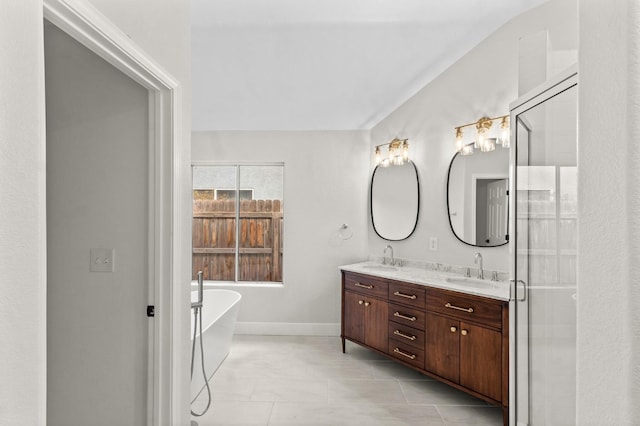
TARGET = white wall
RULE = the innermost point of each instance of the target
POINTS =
(162, 29)
(326, 185)
(483, 82)
(97, 178)
(609, 202)
(22, 215)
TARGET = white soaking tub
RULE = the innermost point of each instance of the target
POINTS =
(219, 314)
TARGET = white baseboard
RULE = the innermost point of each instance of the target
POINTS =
(288, 328)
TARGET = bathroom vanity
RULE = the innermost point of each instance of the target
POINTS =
(450, 328)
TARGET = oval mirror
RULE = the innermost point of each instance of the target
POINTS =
(477, 197)
(395, 201)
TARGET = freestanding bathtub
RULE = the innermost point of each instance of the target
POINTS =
(219, 313)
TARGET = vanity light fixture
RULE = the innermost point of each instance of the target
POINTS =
(397, 153)
(484, 141)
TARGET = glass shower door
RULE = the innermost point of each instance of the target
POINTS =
(543, 340)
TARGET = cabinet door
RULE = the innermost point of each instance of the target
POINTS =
(354, 316)
(376, 314)
(442, 348)
(481, 360)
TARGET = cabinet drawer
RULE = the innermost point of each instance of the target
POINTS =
(365, 284)
(405, 335)
(407, 294)
(406, 353)
(483, 311)
(406, 316)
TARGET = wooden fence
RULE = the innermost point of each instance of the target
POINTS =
(260, 242)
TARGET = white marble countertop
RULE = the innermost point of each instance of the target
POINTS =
(444, 280)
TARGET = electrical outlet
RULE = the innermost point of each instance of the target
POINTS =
(433, 243)
(101, 259)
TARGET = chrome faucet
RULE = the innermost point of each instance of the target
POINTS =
(478, 261)
(384, 254)
(198, 303)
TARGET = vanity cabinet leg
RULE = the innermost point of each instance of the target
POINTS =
(505, 416)
(343, 347)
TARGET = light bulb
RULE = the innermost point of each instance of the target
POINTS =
(505, 134)
(489, 145)
(459, 144)
(405, 151)
(467, 149)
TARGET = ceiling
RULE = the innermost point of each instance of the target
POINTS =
(326, 64)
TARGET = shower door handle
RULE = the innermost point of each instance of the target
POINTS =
(517, 290)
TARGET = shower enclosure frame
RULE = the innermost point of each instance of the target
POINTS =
(519, 289)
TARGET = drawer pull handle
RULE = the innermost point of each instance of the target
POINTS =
(406, 336)
(453, 329)
(399, 315)
(408, 296)
(449, 305)
(367, 303)
(368, 287)
(398, 351)
(464, 332)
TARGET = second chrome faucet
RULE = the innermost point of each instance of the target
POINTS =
(384, 255)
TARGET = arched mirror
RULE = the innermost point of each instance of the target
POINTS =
(477, 197)
(395, 200)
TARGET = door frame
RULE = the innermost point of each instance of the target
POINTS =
(474, 188)
(88, 26)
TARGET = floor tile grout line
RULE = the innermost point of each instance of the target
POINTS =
(440, 413)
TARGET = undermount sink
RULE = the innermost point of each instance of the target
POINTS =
(471, 282)
(380, 267)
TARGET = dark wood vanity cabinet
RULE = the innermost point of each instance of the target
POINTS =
(457, 338)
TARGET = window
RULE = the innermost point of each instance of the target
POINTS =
(237, 222)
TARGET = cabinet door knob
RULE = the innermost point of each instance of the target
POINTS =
(453, 329)
(360, 302)
(367, 303)
(464, 332)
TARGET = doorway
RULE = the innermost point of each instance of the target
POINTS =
(164, 222)
(97, 185)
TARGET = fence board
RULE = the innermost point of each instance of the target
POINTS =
(259, 239)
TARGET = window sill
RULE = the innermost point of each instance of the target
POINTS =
(233, 284)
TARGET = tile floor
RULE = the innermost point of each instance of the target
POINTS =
(304, 380)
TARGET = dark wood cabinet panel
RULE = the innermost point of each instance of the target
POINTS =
(466, 307)
(353, 319)
(481, 360)
(375, 318)
(407, 294)
(408, 335)
(365, 320)
(442, 353)
(367, 285)
(407, 315)
(406, 353)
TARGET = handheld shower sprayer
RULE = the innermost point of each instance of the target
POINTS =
(198, 303)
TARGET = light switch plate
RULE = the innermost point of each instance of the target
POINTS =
(101, 260)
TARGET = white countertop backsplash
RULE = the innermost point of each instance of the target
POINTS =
(436, 275)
